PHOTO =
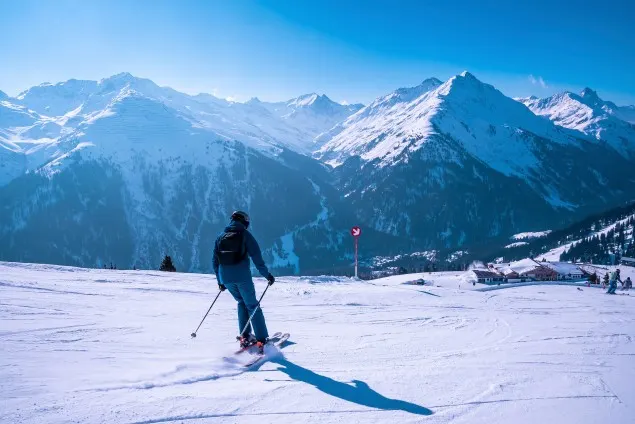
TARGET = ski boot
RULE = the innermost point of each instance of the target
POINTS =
(261, 346)
(246, 341)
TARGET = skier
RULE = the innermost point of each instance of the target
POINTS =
(628, 284)
(232, 251)
(615, 277)
(605, 280)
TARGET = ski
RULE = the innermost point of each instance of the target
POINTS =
(273, 338)
(261, 357)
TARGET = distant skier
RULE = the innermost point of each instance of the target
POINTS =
(232, 251)
(628, 284)
(615, 277)
(605, 280)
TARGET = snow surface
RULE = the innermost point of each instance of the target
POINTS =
(590, 115)
(516, 244)
(531, 235)
(95, 346)
(490, 126)
(55, 115)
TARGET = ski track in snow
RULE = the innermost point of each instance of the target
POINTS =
(360, 352)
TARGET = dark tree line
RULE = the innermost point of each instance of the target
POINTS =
(577, 231)
(605, 248)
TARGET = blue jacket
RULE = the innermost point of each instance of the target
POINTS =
(241, 272)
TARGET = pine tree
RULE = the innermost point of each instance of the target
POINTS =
(167, 264)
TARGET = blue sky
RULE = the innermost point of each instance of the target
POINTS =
(351, 50)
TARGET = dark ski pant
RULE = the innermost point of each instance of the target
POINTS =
(612, 287)
(245, 295)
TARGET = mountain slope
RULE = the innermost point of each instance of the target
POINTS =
(136, 171)
(311, 114)
(590, 115)
(461, 161)
(626, 113)
(261, 125)
(126, 171)
(556, 243)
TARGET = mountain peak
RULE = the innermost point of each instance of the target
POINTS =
(431, 81)
(590, 94)
(3, 95)
(463, 81)
(466, 85)
(311, 99)
(120, 78)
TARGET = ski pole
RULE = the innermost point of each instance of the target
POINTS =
(255, 309)
(210, 308)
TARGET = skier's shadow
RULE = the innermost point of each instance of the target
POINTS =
(358, 392)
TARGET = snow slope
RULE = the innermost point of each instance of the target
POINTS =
(489, 125)
(587, 113)
(133, 170)
(531, 235)
(310, 114)
(554, 254)
(95, 346)
(293, 124)
(464, 163)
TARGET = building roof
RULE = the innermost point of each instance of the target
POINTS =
(507, 271)
(482, 273)
(563, 268)
(524, 265)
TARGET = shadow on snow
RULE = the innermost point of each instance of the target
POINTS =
(358, 392)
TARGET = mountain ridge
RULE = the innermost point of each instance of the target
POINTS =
(461, 163)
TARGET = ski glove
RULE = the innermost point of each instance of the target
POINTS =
(271, 279)
(221, 287)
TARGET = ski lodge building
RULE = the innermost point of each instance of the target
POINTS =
(531, 270)
(487, 277)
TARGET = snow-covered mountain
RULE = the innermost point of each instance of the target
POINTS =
(312, 114)
(260, 125)
(589, 114)
(126, 171)
(462, 161)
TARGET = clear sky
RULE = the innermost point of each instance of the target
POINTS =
(350, 50)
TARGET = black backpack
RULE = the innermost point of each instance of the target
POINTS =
(231, 248)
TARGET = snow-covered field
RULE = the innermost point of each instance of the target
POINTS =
(101, 346)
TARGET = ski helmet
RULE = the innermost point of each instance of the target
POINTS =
(241, 217)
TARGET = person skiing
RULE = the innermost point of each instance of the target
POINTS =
(232, 251)
(628, 284)
(615, 277)
(605, 280)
